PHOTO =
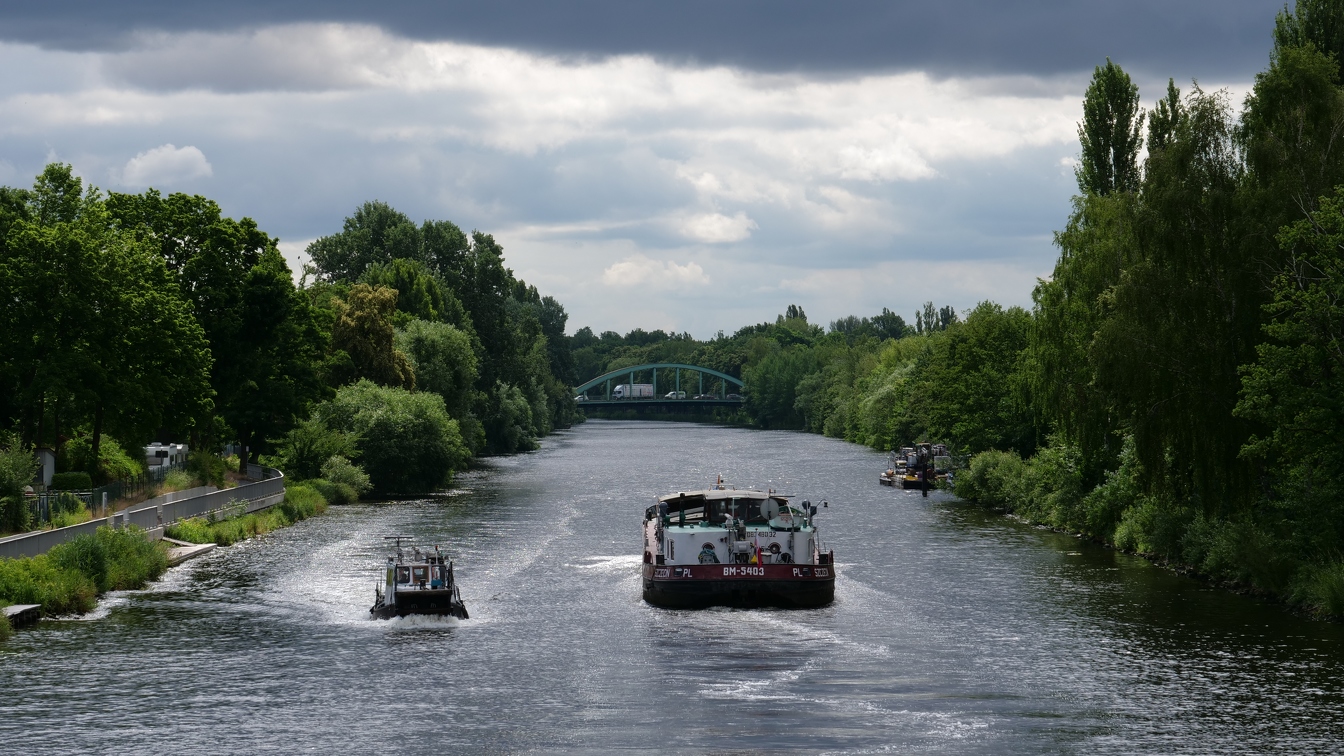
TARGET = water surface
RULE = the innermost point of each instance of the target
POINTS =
(953, 631)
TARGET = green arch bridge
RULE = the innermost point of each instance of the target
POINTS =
(725, 390)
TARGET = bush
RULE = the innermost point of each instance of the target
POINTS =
(113, 462)
(39, 581)
(407, 442)
(71, 481)
(994, 479)
(301, 502)
(132, 559)
(337, 494)
(15, 515)
(208, 468)
(194, 530)
(231, 463)
(1323, 589)
(308, 445)
(68, 509)
(177, 480)
(341, 470)
(85, 554)
(17, 466)
(5, 629)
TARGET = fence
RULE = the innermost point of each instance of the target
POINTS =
(40, 505)
(158, 512)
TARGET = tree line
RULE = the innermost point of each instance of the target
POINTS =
(136, 317)
(1177, 388)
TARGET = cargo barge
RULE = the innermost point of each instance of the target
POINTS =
(728, 547)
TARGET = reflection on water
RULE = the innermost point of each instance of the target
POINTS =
(953, 630)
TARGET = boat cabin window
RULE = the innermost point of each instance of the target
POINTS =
(403, 574)
(419, 574)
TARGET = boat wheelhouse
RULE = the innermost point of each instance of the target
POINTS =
(421, 582)
(728, 547)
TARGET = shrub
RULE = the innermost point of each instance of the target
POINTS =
(407, 442)
(85, 554)
(208, 468)
(994, 479)
(132, 559)
(308, 445)
(113, 462)
(67, 510)
(338, 494)
(5, 629)
(40, 581)
(177, 480)
(301, 502)
(194, 530)
(338, 469)
(71, 481)
(231, 463)
(17, 466)
(1323, 589)
(15, 515)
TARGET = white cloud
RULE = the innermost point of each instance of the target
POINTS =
(166, 164)
(716, 228)
(639, 270)
(628, 171)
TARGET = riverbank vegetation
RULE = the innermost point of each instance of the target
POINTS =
(69, 578)
(301, 502)
(149, 317)
(1176, 388)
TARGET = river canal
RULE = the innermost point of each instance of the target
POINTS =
(953, 631)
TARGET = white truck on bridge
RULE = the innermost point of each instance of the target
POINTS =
(633, 391)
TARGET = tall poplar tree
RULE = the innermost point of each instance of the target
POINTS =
(1109, 133)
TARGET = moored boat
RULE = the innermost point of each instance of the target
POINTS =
(421, 582)
(728, 547)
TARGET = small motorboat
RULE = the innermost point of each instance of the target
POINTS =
(420, 582)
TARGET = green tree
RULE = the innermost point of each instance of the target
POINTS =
(374, 235)
(443, 361)
(266, 339)
(103, 327)
(407, 442)
(420, 294)
(1295, 386)
(364, 331)
(1109, 133)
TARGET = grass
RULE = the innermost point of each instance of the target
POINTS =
(301, 502)
(69, 578)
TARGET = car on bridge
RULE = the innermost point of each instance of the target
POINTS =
(675, 395)
(734, 396)
(704, 396)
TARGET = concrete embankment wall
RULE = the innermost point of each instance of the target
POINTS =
(154, 514)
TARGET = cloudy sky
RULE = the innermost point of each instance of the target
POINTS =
(689, 166)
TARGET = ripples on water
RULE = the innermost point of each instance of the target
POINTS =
(953, 631)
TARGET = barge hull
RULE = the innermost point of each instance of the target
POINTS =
(700, 587)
